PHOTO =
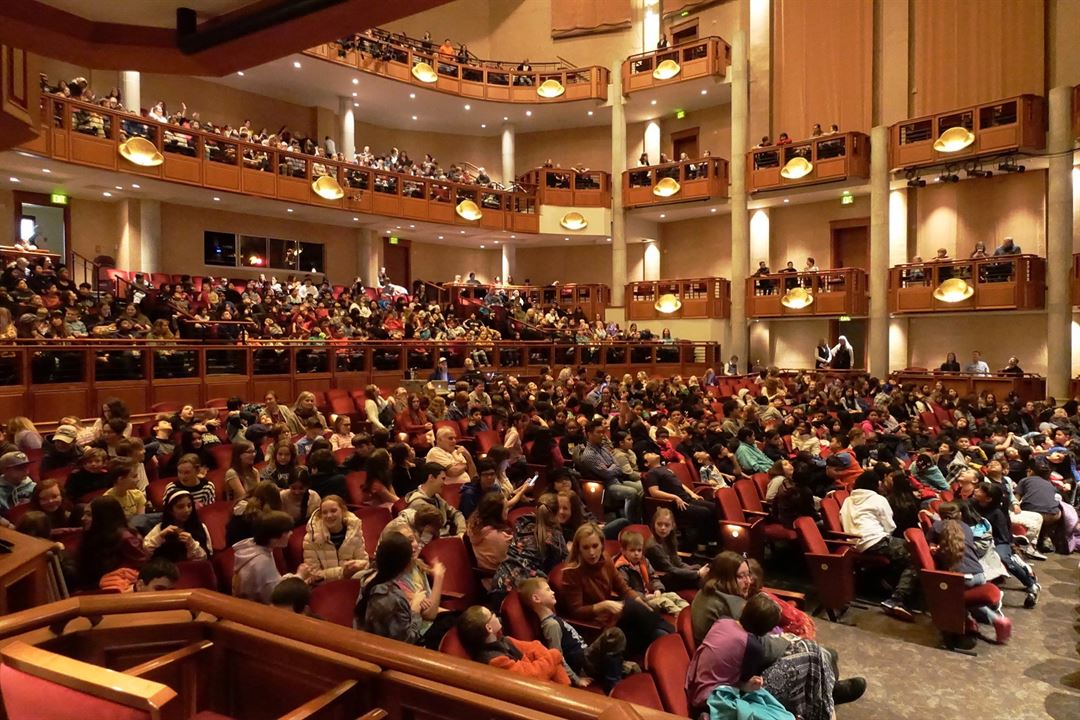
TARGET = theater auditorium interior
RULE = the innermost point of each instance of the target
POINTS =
(539, 359)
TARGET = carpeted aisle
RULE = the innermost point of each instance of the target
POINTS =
(1036, 676)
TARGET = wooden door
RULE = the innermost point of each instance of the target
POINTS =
(396, 262)
(684, 141)
(850, 244)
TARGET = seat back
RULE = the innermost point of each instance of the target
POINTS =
(197, 574)
(372, 521)
(354, 482)
(639, 689)
(682, 471)
(451, 645)
(335, 600)
(519, 620)
(921, 556)
(451, 493)
(930, 420)
(460, 580)
(667, 660)
(810, 536)
(761, 483)
(748, 495)
(684, 624)
(40, 685)
(727, 501)
(294, 551)
(830, 513)
(485, 440)
(215, 517)
(593, 494)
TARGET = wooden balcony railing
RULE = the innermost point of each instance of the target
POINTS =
(1002, 126)
(1016, 282)
(90, 135)
(700, 179)
(468, 80)
(592, 299)
(699, 298)
(46, 381)
(258, 661)
(833, 157)
(556, 186)
(835, 292)
(1027, 386)
(703, 57)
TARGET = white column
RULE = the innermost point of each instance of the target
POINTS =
(1059, 243)
(347, 131)
(150, 235)
(740, 221)
(900, 325)
(130, 93)
(878, 332)
(369, 249)
(650, 265)
(509, 263)
(509, 172)
(618, 166)
(650, 25)
(651, 144)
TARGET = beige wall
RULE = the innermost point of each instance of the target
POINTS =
(577, 263)
(955, 216)
(790, 343)
(997, 337)
(696, 248)
(714, 131)
(447, 149)
(801, 231)
(588, 146)
(440, 263)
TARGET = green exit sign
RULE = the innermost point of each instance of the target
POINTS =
(680, 114)
(58, 199)
(845, 318)
(393, 240)
(847, 199)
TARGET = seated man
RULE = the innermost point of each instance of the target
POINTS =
(453, 522)
(597, 462)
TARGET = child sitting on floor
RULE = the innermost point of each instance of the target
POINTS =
(640, 575)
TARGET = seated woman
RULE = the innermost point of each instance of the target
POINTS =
(48, 499)
(334, 542)
(488, 533)
(180, 535)
(378, 479)
(399, 602)
(742, 654)
(265, 497)
(572, 510)
(590, 580)
(108, 544)
(298, 499)
(241, 477)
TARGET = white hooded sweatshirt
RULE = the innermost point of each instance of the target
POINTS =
(868, 515)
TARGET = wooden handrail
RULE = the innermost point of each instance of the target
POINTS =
(680, 46)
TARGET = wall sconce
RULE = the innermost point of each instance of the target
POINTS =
(667, 304)
(574, 221)
(667, 187)
(468, 210)
(797, 298)
(424, 72)
(953, 290)
(797, 167)
(666, 70)
(954, 139)
(551, 88)
(140, 151)
(327, 188)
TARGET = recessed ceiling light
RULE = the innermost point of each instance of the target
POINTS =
(119, 187)
(528, 113)
(354, 94)
(135, 186)
(107, 194)
(663, 215)
(240, 73)
(496, 242)
(513, 237)
(483, 125)
(704, 92)
(412, 96)
(356, 104)
(786, 200)
(590, 113)
(13, 179)
(217, 199)
(398, 227)
(609, 239)
(296, 64)
(468, 106)
(413, 117)
(481, 247)
(653, 102)
(355, 81)
(356, 219)
(505, 118)
(288, 209)
(713, 210)
(412, 226)
(462, 232)
(46, 170)
(440, 237)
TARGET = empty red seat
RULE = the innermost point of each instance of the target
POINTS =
(215, 517)
(639, 689)
(519, 621)
(831, 566)
(197, 574)
(335, 600)
(461, 587)
(451, 645)
(667, 661)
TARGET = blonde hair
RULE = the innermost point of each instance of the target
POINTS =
(582, 532)
(20, 422)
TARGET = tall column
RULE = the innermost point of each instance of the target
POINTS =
(650, 25)
(651, 144)
(347, 132)
(878, 332)
(130, 93)
(150, 235)
(509, 173)
(740, 219)
(369, 248)
(509, 262)
(1059, 243)
(900, 325)
(618, 166)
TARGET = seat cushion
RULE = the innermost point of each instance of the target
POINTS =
(985, 594)
(776, 531)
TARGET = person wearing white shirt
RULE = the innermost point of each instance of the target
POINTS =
(977, 366)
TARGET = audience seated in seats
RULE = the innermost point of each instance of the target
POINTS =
(334, 542)
(293, 595)
(191, 476)
(298, 500)
(454, 459)
(537, 547)
(255, 573)
(108, 544)
(488, 532)
(662, 551)
(401, 601)
(180, 535)
(695, 514)
(480, 633)
(641, 577)
(266, 497)
(16, 485)
(423, 521)
(452, 522)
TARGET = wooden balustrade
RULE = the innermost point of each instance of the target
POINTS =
(1026, 387)
(576, 188)
(243, 659)
(835, 292)
(90, 135)
(1002, 126)
(698, 298)
(1016, 282)
(698, 58)
(832, 157)
(684, 181)
(592, 299)
(475, 79)
(45, 381)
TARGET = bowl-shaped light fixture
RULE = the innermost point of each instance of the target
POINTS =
(550, 89)
(797, 298)
(797, 167)
(954, 139)
(424, 72)
(953, 290)
(667, 304)
(327, 188)
(140, 151)
(469, 210)
(574, 221)
(667, 187)
(666, 70)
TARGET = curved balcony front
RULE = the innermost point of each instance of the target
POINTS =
(699, 58)
(685, 181)
(826, 293)
(697, 298)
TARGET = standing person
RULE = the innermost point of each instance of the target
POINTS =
(822, 354)
(843, 355)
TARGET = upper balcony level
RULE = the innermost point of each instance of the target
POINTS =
(1006, 282)
(698, 58)
(408, 60)
(998, 127)
(572, 187)
(825, 293)
(678, 299)
(827, 158)
(591, 299)
(676, 182)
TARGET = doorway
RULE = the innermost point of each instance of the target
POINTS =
(684, 32)
(41, 222)
(855, 332)
(850, 243)
(684, 141)
(397, 262)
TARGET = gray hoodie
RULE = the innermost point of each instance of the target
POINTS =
(255, 574)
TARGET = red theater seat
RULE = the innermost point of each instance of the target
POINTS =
(639, 689)
(667, 660)
(335, 600)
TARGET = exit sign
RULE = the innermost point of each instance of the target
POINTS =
(58, 199)
(393, 240)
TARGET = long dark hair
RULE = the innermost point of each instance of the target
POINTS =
(171, 548)
(99, 551)
(392, 557)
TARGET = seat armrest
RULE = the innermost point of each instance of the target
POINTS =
(797, 599)
(755, 513)
(842, 535)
